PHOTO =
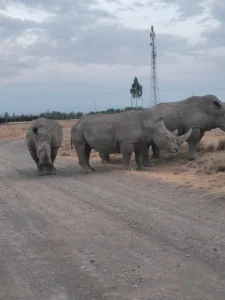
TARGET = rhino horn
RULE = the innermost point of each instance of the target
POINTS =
(183, 138)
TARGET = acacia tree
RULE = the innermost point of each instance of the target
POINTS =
(136, 90)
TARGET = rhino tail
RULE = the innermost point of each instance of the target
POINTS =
(71, 143)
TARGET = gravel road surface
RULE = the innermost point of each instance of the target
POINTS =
(112, 235)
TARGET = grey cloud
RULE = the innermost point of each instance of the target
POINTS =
(13, 66)
(138, 4)
(59, 29)
(105, 44)
(10, 26)
(78, 38)
(216, 37)
(114, 1)
(218, 11)
(187, 8)
(65, 6)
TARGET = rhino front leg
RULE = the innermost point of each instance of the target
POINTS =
(54, 152)
(156, 151)
(51, 170)
(139, 158)
(194, 139)
(33, 154)
(126, 151)
(105, 158)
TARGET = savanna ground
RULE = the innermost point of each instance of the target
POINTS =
(206, 173)
(113, 234)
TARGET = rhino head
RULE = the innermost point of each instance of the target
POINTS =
(215, 110)
(43, 149)
(167, 140)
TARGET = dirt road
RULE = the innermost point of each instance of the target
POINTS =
(108, 235)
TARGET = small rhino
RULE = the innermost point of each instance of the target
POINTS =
(43, 138)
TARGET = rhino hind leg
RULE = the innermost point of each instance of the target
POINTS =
(139, 158)
(156, 151)
(87, 155)
(83, 156)
(126, 151)
(194, 139)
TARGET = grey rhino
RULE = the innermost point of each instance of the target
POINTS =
(43, 138)
(201, 113)
(122, 133)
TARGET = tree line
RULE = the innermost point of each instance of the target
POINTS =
(57, 115)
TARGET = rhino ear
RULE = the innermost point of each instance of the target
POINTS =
(35, 130)
(217, 104)
(159, 119)
(175, 132)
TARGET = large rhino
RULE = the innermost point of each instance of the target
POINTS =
(43, 138)
(122, 133)
(201, 113)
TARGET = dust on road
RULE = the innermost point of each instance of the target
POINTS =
(112, 234)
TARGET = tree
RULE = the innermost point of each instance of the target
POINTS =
(6, 116)
(136, 90)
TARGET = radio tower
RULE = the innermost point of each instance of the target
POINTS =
(154, 86)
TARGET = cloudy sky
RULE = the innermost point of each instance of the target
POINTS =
(66, 54)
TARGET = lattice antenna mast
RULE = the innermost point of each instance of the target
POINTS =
(154, 87)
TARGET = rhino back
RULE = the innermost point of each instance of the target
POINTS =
(98, 132)
(186, 113)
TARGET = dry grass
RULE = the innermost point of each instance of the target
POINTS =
(19, 129)
(12, 131)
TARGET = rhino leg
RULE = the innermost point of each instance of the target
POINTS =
(126, 151)
(87, 154)
(146, 159)
(33, 154)
(105, 158)
(54, 152)
(156, 151)
(139, 158)
(194, 139)
(51, 170)
(83, 158)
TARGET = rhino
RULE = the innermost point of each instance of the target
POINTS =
(201, 113)
(43, 139)
(123, 133)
